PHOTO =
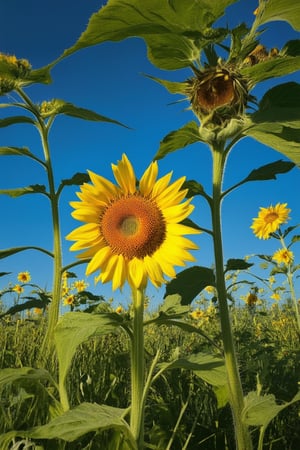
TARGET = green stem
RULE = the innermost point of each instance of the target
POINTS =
(44, 128)
(291, 286)
(137, 369)
(236, 398)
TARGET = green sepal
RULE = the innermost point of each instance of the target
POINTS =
(178, 139)
(174, 87)
(32, 189)
(175, 31)
(190, 282)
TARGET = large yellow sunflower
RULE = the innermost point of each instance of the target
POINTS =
(133, 233)
(269, 220)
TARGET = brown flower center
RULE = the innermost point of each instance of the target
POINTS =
(271, 217)
(218, 90)
(133, 226)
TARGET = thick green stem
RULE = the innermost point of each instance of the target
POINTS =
(137, 369)
(57, 251)
(236, 398)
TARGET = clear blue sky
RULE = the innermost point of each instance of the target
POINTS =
(108, 79)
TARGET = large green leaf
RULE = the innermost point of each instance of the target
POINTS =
(269, 171)
(175, 31)
(190, 282)
(277, 121)
(73, 329)
(187, 135)
(208, 367)
(282, 10)
(77, 422)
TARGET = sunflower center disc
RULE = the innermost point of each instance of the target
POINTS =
(271, 217)
(133, 226)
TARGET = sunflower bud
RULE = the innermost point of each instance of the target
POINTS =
(217, 95)
(12, 71)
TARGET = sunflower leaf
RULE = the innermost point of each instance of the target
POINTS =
(15, 119)
(13, 250)
(175, 31)
(237, 264)
(32, 189)
(77, 422)
(208, 367)
(15, 151)
(194, 188)
(75, 328)
(187, 135)
(190, 282)
(269, 171)
(271, 68)
(277, 121)
(260, 410)
(77, 179)
(273, 10)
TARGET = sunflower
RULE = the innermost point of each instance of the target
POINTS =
(24, 277)
(269, 220)
(283, 255)
(133, 233)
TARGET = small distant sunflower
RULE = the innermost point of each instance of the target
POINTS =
(18, 289)
(133, 233)
(69, 300)
(24, 277)
(283, 255)
(269, 220)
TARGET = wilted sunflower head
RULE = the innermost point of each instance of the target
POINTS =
(217, 95)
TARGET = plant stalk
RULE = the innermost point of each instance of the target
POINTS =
(137, 369)
(236, 397)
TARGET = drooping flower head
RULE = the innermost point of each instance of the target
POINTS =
(269, 220)
(283, 256)
(133, 233)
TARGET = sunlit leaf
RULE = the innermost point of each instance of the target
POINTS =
(190, 282)
(75, 328)
(277, 121)
(172, 306)
(187, 135)
(208, 367)
(83, 419)
(274, 10)
(260, 410)
(175, 31)
(13, 250)
(32, 189)
(271, 68)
